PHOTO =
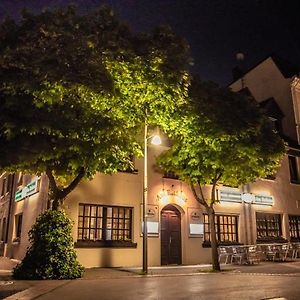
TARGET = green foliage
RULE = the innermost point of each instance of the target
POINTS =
(222, 137)
(51, 254)
(74, 91)
(56, 96)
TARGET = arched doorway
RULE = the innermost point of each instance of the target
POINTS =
(170, 236)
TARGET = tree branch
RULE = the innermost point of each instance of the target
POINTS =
(200, 200)
(74, 183)
(213, 189)
(52, 181)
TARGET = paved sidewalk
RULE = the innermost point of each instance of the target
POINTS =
(20, 289)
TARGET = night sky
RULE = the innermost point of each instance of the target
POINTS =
(215, 29)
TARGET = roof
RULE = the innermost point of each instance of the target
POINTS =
(286, 68)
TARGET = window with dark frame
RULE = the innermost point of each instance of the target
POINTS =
(268, 226)
(3, 231)
(104, 223)
(294, 174)
(226, 228)
(170, 175)
(4, 186)
(294, 226)
(18, 226)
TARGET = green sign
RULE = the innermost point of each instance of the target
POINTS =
(30, 189)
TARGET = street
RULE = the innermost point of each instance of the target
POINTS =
(202, 286)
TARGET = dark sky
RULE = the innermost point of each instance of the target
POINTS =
(215, 29)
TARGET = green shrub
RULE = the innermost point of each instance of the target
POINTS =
(51, 254)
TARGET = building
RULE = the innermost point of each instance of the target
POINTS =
(107, 211)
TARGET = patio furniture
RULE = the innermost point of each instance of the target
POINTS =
(253, 256)
(238, 254)
(283, 251)
(226, 253)
(296, 250)
(271, 252)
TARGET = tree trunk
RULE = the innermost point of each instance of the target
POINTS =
(214, 245)
(57, 195)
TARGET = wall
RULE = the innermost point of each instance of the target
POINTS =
(265, 81)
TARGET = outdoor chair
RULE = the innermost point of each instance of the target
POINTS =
(224, 252)
(271, 252)
(253, 255)
(238, 254)
(283, 251)
(296, 250)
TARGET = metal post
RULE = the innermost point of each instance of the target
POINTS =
(145, 201)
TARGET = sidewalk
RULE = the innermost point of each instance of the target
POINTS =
(21, 289)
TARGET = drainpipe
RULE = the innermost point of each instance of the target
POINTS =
(11, 201)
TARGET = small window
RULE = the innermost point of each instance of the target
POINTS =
(4, 186)
(3, 231)
(294, 174)
(18, 226)
(170, 175)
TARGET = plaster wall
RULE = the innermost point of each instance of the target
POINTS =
(265, 81)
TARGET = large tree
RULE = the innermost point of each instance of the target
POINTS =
(75, 89)
(220, 137)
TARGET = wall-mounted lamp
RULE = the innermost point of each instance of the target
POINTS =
(168, 196)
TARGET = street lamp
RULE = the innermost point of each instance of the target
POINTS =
(155, 140)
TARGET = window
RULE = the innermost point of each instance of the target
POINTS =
(4, 186)
(294, 175)
(268, 226)
(294, 225)
(18, 226)
(104, 223)
(170, 175)
(226, 229)
(3, 230)
(131, 168)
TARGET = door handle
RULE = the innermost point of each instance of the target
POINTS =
(170, 240)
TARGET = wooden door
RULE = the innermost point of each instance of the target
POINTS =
(170, 236)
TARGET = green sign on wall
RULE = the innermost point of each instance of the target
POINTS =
(30, 189)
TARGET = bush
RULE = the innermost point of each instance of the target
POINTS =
(51, 254)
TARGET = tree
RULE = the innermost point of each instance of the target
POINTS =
(74, 92)
(51, 254)
(58, 112)
(221, 137)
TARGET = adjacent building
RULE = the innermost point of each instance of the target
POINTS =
(107, 211)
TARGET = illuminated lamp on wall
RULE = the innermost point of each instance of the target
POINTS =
(180, 198)
(163, 197)
(169, 196)
(248, 198)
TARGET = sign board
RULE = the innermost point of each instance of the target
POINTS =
(27, 191)
(152, 220)
(196, 229)
(195, 222)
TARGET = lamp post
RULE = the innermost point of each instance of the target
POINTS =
(156, 141)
